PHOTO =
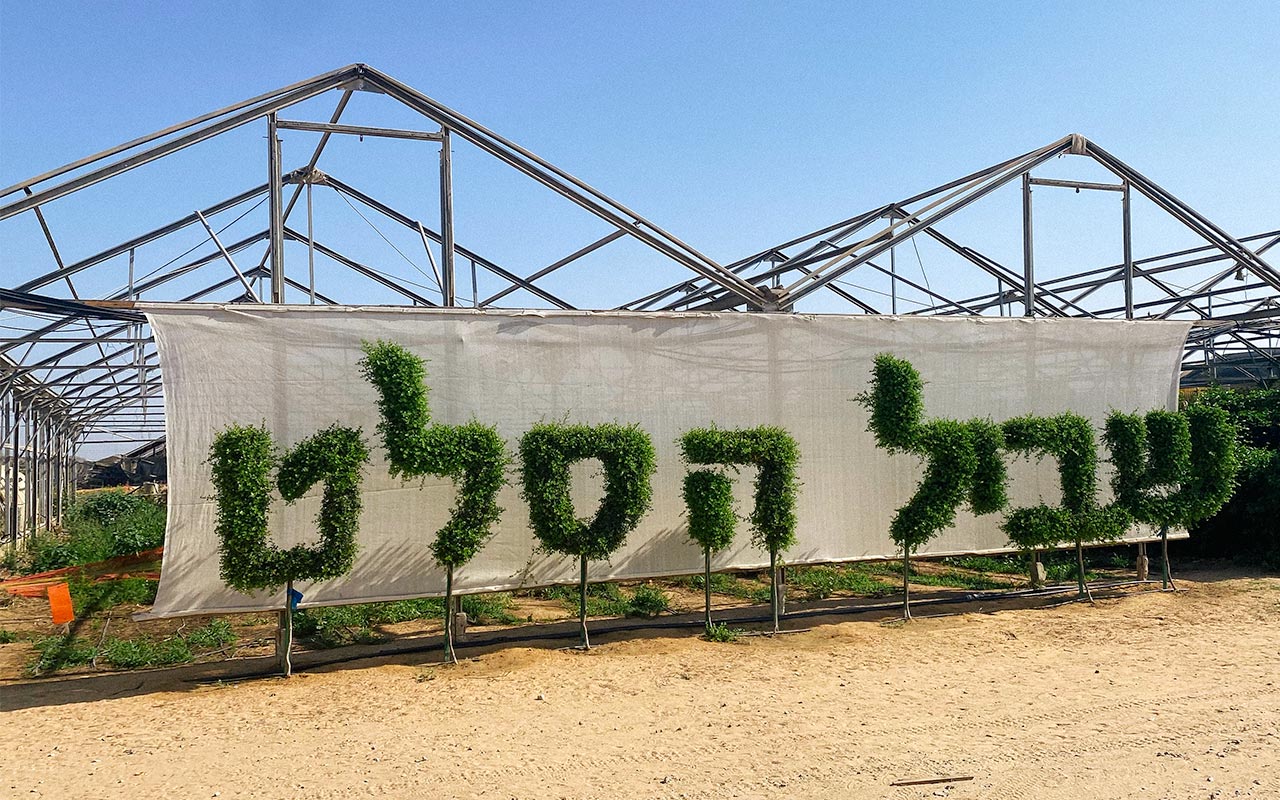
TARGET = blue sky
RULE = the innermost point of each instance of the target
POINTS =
(735, 125)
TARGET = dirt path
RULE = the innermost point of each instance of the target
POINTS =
(1146, 695)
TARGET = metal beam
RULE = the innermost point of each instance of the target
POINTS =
(356, 130)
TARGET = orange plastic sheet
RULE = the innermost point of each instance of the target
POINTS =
(140, 565)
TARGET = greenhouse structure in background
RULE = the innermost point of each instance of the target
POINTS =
(81, 375)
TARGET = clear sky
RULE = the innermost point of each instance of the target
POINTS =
(736, 125)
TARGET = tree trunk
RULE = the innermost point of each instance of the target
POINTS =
(1166, 579)
(1080, 582)
(449, 656)
(582, 602)
(706, 581)
(284, 639)
(906, 585)
(773, 587)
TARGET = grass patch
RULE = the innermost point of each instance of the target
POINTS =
(610, 600)
(1000, 565)
(214, 636)
(337, 626)
(892, 571)
(102, 526)
(146, 652)
(8, 636)
(959, 580)
(730, 585)
(823, 581)
(60, 652)
(88, 597)
(721, 632)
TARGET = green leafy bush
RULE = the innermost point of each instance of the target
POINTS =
(105, 508)
(708, 494)
(473, 455)
(243, 458)
(963, 459)
(546, 452)
(721, 632)
(103, 526)
(1248, 525)
(1172, 469)
(141, 529)
(88, 597)
(1069, 438)
(647, 601)
(773, 516)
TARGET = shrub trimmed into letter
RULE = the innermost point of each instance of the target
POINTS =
(546, 452)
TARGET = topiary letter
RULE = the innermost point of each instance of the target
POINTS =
(963, 459)
(473, 455)
(242, 459)
(1172, 469)
(709, 494)
(546, 451)
(1069, 438)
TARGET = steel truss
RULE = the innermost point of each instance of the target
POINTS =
(83, 370)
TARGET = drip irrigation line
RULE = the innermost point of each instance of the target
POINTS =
(698, 622)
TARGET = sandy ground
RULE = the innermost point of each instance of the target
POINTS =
(1143, 695)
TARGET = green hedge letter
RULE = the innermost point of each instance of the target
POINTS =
(1069, 438)
(628, 457)
(708, 494)
(963, 460)
(242, 459)
(1172, 469)
(473, 455)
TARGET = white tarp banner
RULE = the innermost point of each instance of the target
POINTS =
(295, 369)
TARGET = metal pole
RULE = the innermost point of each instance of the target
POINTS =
(446, 219)
(1028, 259)
(311, 246)
(275, 190)
(48, 473)
(1128, 251)
(33, 447)
(893, 280)
(55, 469)
(15, 467)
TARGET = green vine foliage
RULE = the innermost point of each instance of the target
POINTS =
(1069, 438)
(708, 495)
(1173, 469)
(546, 452)
(710, 502)
(242, 459)
(472, 454)
(963, 459)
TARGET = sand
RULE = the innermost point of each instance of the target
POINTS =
(1141, 695)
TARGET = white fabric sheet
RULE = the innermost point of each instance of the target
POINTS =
(296, 370)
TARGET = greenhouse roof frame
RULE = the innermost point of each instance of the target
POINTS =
(84, 370)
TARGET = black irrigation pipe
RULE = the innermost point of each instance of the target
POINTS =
(843, 610)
